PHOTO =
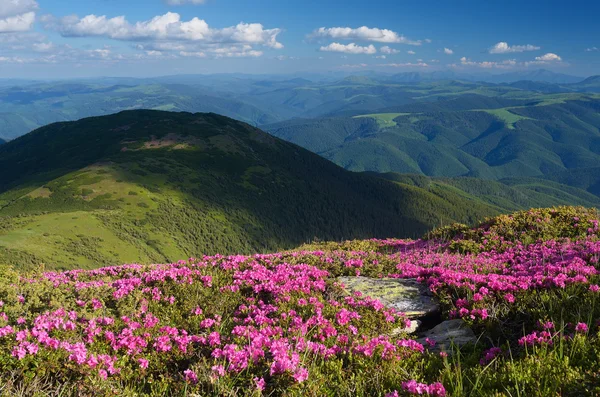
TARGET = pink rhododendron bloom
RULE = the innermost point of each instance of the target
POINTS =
(143, 363)
(260, 383)
(190, 376)
(581, 328)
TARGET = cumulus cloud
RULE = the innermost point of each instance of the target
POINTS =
(545, 59)
(167, 27)
(354, 66)
(17, 15)
(464, 61)
(380, 57)
(351, 48)
(549, 57)
(503, 48)
(388, 50)
(363, 33)
(448, 51)
(17, 23)
(11, 8)
(591, 49)
(411, 52)
(42, 47)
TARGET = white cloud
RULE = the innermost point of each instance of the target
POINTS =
(11, 8)
(42, 47)
(503, 48)
(363, 33)
(549, 57)
(388, 50)
(17, 15)
(380, 57)
(182, 2)
(545, 59)
(405, 65)
(355, 66)
(411, 52)
(591, 49)
(167, 27)
(17, 23)
(448, 51)
(351, 48)
(285, 58)
(464, 61)
(198, 54)
(427, 41)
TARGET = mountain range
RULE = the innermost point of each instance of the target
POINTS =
(552, 136)
(151, 186)
(261, 100)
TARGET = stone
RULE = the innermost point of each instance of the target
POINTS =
(405, 295)
(414, 326)
(448, 332)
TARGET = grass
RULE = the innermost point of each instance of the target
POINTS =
(385, 120)
(507, 117)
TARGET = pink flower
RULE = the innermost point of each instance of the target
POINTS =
(582, 328)
(594, 288)
(143, 363)
(260, 383)
(490, 354)
(190, 376)
(301, 375)
(103, 374)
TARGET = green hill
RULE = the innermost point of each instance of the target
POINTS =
(149, 186)
(548, 136)
(153, 186)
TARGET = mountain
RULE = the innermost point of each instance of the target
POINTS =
(24, 108)
(540, 75)
(542, 136)
(147, 186)
(151, 186)
(591, 84)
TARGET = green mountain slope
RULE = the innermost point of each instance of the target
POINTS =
(547, 137)
(505, 195)
(153, 186)
(150, 186)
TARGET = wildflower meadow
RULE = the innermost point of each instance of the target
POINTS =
(275, 324)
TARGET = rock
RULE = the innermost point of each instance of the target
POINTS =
(405, 295)
(414, 326)
(445, 333)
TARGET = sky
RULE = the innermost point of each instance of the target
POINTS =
(142, 38)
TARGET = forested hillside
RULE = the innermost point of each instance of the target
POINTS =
(552, 137)
(150, 186)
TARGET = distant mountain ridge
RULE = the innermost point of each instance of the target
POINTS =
(262, 99)
(467, 135)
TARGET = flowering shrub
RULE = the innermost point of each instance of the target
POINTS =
(280, 323)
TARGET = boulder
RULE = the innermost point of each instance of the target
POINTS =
(406, 295)
(448, 332)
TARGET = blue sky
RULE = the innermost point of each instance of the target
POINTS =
(81, 38)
